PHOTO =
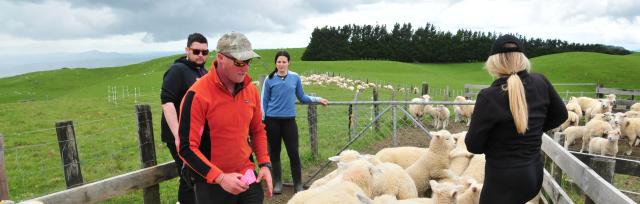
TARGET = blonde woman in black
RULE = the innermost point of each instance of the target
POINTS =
(507, 124)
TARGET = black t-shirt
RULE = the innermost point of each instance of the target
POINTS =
(175, 83)
(493, 132)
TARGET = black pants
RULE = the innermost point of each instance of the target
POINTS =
(512, 185)
(214, 193)
(287, 130)
(186, 195)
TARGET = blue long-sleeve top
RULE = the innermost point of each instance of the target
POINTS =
(279, 95)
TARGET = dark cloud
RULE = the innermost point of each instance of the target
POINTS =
(163, 20)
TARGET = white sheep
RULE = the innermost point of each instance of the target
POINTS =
(435, 163)
(573, 106)
(471, 194)
(572, 133)
(632, 114)
(600, 106)
(403, 156)
(440, 115)
(345, 193)
(584, 102)
(358, 172)
(444, 193)
(394, 180)
(345, 156)
(605, 146)
(459, 156)
(475, 169)
(635, 107)
(630, 128)
(463, 112)
(594, 128)
(389, 199)
(572, 120)
(417, 110)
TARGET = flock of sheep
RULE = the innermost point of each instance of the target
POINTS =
(446, 172)
(602, 128)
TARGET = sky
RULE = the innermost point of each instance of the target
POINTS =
(125, 26)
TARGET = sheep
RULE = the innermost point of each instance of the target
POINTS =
(572, 120)
(435, 163)
(632, 114)
(635, 107)
(594, 128)
(612, 100)
(600, 106)
(459, 156)
(358, 172)
(605, 146)
(470, 195)
(394, 180)
(417, 110)
(463, 111)
(571, 134)
(440, 115)
(345, 156)
(389, 199)
(573, 106)
(403, 156)
(584, 102)
(346, 193)
(476, 168)
(444, 193)
(630, 128)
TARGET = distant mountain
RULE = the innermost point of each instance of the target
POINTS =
(11, 65)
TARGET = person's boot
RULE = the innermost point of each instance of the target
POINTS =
(297, 180)
(277, 177)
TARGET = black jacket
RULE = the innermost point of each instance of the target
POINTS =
(493, 132)
(175, 83)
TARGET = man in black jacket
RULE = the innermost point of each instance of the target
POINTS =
(175, 83)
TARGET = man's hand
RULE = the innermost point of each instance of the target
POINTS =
(265, 174)
(231, 183)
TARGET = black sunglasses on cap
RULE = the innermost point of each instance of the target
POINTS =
(237, 62)
(197, 52)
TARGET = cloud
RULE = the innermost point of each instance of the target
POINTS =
(162, 20)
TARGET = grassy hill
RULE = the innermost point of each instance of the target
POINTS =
(31, 103)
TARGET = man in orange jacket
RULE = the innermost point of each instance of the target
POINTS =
(216, 114)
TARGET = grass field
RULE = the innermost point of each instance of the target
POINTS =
(106, 132)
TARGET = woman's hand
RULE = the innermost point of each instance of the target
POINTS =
(231, 183)
(324, 102)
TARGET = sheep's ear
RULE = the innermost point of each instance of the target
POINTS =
(334, 158)
(363, 199)
(454, 194)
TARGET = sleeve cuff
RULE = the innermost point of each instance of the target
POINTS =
(212, 175)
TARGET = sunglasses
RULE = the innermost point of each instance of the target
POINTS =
(197, 52)
(237, 62)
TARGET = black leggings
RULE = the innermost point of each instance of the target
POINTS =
(185, 192)
(287, 130)
(512, 185)
(213, 193)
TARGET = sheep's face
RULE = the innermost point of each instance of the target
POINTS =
(444, 192)
(619, 118)
(613, 135)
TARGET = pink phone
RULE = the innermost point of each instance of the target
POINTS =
(249, 177)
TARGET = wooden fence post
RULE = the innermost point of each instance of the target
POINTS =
(556, 171)
(605, 168)
(425, 88)
(354, 124)
(376, 125)
(69, 153)
(151, 194)
(4, 186)
(598, 94)
(312, 117)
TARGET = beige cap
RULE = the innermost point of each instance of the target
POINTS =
(237, 45)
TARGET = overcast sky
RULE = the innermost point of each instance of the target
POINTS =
(43, 26)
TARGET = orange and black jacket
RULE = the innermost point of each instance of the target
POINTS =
(214, 125)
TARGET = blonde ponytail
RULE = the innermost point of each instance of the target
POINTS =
(507, 65)
(518, 103)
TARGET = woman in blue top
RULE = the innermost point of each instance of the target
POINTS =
(279, 93)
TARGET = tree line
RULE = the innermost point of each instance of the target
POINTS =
(425, 44)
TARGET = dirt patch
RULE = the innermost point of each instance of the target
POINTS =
(406, 137)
